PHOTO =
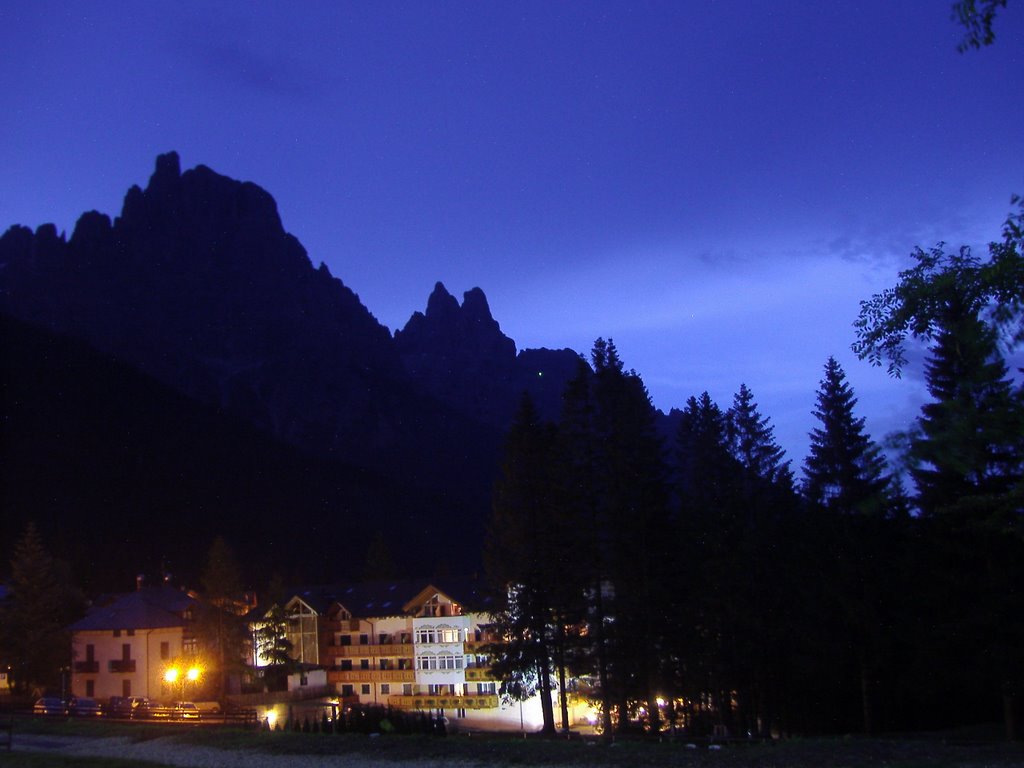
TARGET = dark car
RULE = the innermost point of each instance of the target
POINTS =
(129, 706)
(84, 707)
(49, 705)
(119, 706)
(141, 706)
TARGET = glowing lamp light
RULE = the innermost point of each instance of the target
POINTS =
(192, 674)
(171, 675)
(271, 718)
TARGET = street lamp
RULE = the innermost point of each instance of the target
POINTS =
(174, 674)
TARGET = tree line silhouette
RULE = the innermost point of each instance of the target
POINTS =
(698, 584)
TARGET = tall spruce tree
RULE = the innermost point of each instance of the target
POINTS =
(966, 453)
(615, 469)
(844, 474)
(637, 496)
(766, 616)
(845, 471)
(708, 526)
(752, 438)
(528, 558)
(34, 619)
(582, 460)
(219, 625)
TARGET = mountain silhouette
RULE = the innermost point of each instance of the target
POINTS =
(197, 287)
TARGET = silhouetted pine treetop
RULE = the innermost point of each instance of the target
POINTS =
(844, 471)
(752, 439)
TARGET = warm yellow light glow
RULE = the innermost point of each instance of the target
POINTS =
(660, 701)
(192, 674)
(271, 717)
(171, 675)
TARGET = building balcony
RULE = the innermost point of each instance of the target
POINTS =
(469, 701)
(370, 651)
(371, 676)
(88, 667)
(479, 674)
(123, 666)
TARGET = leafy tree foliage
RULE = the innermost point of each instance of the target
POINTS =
(977, 18)
(941, 287)
(34, 640)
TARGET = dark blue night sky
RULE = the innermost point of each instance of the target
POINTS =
(715, 185)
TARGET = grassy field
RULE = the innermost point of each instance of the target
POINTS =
(512, 751)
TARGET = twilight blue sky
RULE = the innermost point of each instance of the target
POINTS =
(715, 185)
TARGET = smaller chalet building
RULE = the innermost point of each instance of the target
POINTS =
(122, 647)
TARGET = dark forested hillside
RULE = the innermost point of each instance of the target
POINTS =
(123, 476)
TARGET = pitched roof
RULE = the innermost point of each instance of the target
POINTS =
(146, 608)
(385, 598)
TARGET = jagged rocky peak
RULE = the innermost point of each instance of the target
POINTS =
(168, 166)
(441, 304)
(474, 305)
(91, 226)
(450, 330)
(200, 198)
(198, 284)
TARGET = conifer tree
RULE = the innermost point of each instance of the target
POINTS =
(222, 632)
(34, 619)
(581, 460)
(752, 439)
(844, 475)
(709, 568)
(968, 452)
(615, 470)
(527, 560)
(766, 618)
(845, 471)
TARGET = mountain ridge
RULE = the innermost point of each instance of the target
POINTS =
(197, 284)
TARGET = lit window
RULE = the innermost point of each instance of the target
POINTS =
(426, 662)
(426, 636)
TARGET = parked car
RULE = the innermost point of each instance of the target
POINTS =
(49, 705)
(119, 706)
(185, 710)
(84, 707)
(129, 706)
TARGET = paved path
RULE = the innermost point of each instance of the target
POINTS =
(169, 751)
